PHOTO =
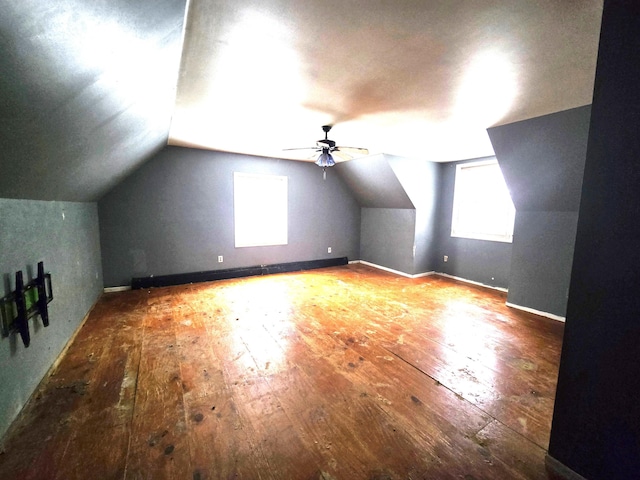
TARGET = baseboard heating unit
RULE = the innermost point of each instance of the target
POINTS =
(211, 275)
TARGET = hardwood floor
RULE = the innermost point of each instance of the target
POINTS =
(338, 373)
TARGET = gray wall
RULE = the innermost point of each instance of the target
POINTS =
(542, 160)
(175, 215)
(419, 178)
(596, 418)
(387, 236)
(33, 231)
(395, 185)
(481, 261)
(541, 260)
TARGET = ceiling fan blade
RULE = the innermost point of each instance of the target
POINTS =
(357, 150)
(326, 148)
(310, 154)
(342, 155)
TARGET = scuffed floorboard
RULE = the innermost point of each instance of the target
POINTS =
(339, 373)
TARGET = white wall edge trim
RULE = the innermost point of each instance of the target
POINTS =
(472, 282)
(460, 279)
(116, 289)
(391, 270)
(561, 469)
(423, 274)
(537, 312)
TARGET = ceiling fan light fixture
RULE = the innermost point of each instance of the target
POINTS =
(325, 159)
(325, 147)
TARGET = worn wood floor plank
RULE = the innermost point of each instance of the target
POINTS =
(158, 446)
(501, 384)
(339, 373)
(107, 407)
(47, 440)
(336, 417)
(211, 417)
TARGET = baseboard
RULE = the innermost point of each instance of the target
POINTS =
(212, 275)
(536, 312)
(464, 280)
(559, 470)
(123, 288)
(472, 282)
(391, 270)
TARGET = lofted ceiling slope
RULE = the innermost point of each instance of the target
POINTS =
(88, 89)
(86, 92)
(374, 183)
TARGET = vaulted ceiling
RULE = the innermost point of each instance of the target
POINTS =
(90, 90)
(86, 92)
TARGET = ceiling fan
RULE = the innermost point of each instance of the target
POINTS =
(327, 148)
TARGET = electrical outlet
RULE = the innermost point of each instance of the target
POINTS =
(329, 250)
(220, 259)
(446, 258)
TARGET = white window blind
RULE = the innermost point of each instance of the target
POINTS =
(482, 206)
(260, 209)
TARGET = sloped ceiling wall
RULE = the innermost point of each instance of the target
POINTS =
(86, 92)
(400, 233)
(542, 159)
(374, 183)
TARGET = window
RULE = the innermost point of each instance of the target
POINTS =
(260, 209)
(482, 206)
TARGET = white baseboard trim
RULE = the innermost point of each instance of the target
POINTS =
(117, 289)
(560, 469)
(472, 282)
(391, 270)
(536, 312)
(423, 274)
(465, 280)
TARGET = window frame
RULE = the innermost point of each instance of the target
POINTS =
(281, 196)
(459, 230)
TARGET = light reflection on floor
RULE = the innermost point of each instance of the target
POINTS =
(249, 305)
(476, 368)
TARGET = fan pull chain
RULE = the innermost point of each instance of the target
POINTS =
(324, 173)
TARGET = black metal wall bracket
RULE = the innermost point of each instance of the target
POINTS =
(25, 302)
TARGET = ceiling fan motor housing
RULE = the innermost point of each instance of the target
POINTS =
(326, 143)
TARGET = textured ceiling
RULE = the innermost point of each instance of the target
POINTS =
(416, 78)
(87, 89)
